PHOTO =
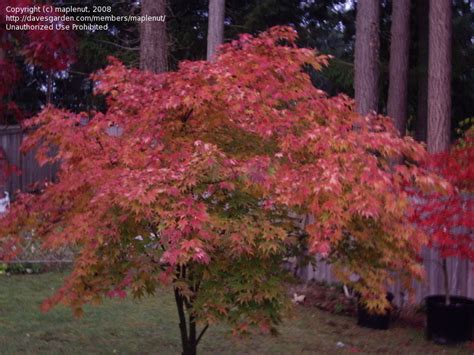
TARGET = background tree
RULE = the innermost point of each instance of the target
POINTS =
(439, 76)
(215, 32)
(422, 9)
(367, 56)
(462, 75)
(398, 69)
(38, 55)
(329, 27)
(153, 43)
(187, 29)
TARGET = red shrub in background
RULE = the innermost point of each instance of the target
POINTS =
(449, 218)
(50, 50)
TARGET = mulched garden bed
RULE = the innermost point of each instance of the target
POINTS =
(331, 298)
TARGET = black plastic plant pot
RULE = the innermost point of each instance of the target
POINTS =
(448, 324)
(373, 320)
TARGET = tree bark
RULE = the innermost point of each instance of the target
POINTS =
(366, 56)
(439, 76)
(422, 107)
(153, 46)
(215, 32)
(182, 321)
(447, 295)
(398, 67)
(189, 337)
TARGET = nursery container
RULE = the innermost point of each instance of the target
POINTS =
(447, 324)
(373, 320)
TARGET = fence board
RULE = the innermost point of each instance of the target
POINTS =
(11, 138)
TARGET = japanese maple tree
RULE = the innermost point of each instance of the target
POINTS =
(448, 217)
(188, 179)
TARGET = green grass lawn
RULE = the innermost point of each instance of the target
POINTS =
(149, 326)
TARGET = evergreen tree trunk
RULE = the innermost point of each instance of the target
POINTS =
(366, 56)
(153, 46)
(421, 122)
(215, 32)
(398, 67)
(439, 76)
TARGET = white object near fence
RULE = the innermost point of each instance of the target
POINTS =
(4, 203)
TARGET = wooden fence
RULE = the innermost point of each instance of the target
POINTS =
(461, 276)
(461, 273)
(11, 138)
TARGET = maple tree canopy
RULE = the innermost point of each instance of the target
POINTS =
(204, 167)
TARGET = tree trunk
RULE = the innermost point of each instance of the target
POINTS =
(189, 337)
(366, 56)
(183, 329)
(215, 32)
(192, 336)
(422, 111)
(439, 76)
(398, 67)
(153, 46)
(447, 295)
